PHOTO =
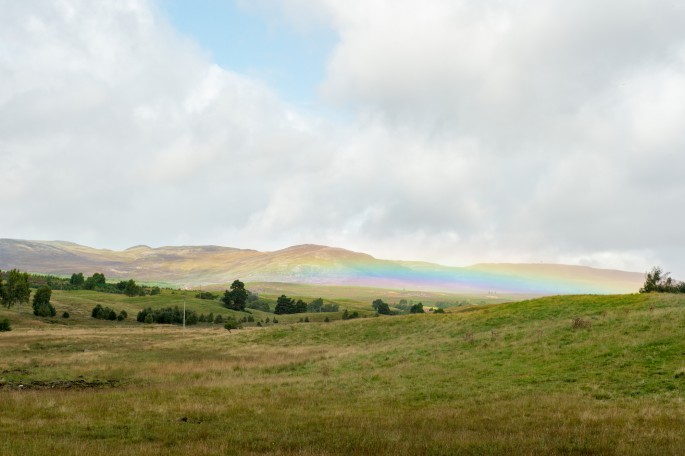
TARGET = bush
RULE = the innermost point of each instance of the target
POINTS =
(44, 310)
(326, 319)
(65, 314)
(439, 311)
(41, 303)
(219, 319)
(5, 325)
(580, 323)
(231, 323)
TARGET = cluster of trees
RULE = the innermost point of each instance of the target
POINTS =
(98, 282)
(105, 313)
(381, 307)
(168, 315)
(660, 281)
(286, 305)
(15, 290)
(318, 305)
(211, 318)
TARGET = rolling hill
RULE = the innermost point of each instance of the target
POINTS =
(306, 264)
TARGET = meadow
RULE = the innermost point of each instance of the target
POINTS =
(558, 375)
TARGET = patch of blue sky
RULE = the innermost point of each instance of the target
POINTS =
(291, 62)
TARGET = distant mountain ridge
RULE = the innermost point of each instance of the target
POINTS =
(308, 264)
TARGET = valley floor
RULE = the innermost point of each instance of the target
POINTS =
(519, 378)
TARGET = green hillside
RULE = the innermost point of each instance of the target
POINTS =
(558, 375)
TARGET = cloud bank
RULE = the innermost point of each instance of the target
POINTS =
(467, 131)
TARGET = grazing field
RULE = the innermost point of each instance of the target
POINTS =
(559, 375)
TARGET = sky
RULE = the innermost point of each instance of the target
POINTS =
(452, 131)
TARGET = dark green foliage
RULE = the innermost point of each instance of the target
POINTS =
(206, 295)
(210, 317)
(439, 310)
(326, 319)
(306, 319)
(95, 281)
(219, 319)
(41, 303)
(250, 318)
(417, 309)
(16, 290)
(231, 323)
(315, 306)
(5, 325)
(167, 316)
(658, 281)
(155, 291)
(77, 280)
(284, 305)
(381, 307)
(103, 313)
(236, 298)
(259, 323)
(275, 321)
(65, 314)
(202, 318)
(132, 289)
(349, 315)
(123, 315)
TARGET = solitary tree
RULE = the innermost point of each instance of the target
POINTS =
(16, 291)
(237, 297)
(41, 303)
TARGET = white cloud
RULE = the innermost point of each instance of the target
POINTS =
(480, 131)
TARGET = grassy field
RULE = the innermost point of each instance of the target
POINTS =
(560, 375)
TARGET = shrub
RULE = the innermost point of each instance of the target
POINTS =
(65, 314)
(326, 319)
(206, 295)
(250, 318)
(306, 319)
(439, 310)
(41, 303)
(231, 323)
(44, 310)
(219, 319)
(149, 319)
(580, 323)
(275, 321)
(5, 325)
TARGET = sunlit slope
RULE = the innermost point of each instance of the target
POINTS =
(516, 378)
(307, 264)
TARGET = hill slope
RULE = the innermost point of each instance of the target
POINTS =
(487, 380)
(310, 264)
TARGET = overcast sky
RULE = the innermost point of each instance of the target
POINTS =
(454, 131)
